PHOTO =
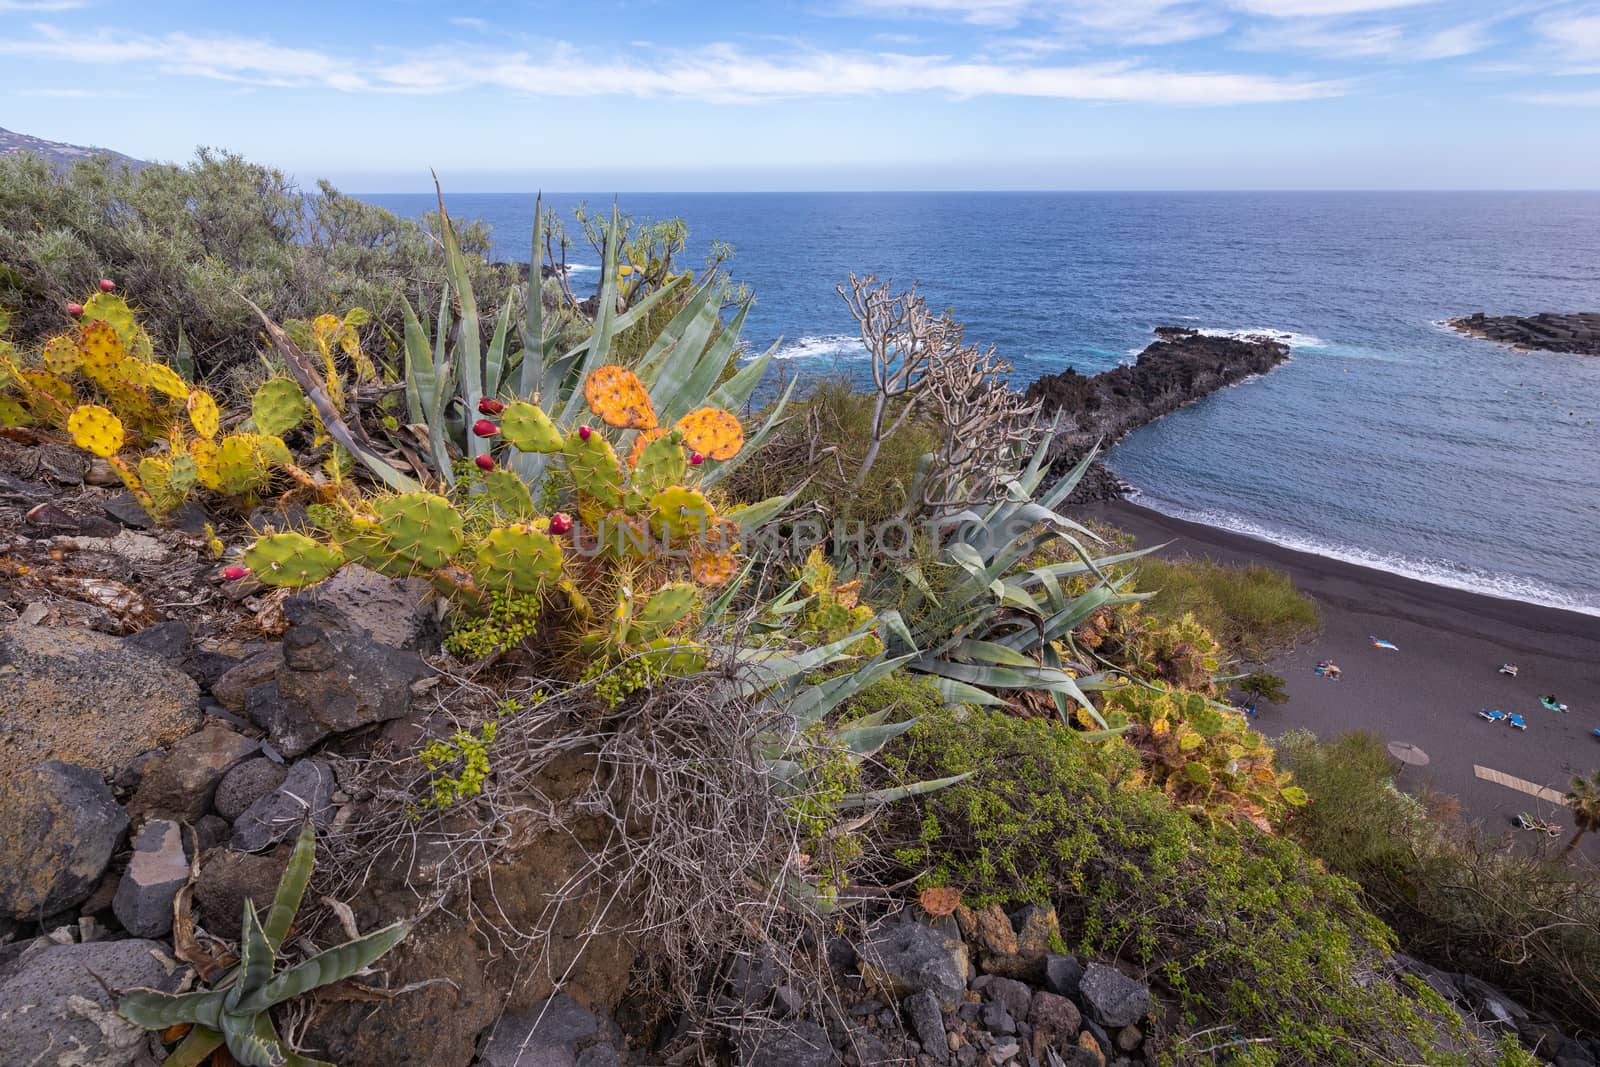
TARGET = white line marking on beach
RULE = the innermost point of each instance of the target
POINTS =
(1522, 785)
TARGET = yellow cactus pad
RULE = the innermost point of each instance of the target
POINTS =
(101, 349)
(203, 413)
(163, 379)
(680, 513)
(62, 355)
(97, 430)
(618, 396)
(712, 432)
(640, 442)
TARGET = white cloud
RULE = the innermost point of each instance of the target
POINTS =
(467, 22)
(1313, 8)
(1574, 33)
(1582, 98)
(1387, 41)
(1134, 22)
(718, 73)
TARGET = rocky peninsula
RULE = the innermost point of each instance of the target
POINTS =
(1181, 366)
(1577, 333)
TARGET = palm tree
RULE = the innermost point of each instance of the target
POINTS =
(1584, 800)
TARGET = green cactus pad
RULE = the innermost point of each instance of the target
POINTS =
(183, 473)
(508, 493)
(114, 311)
(527, 428)
(245, 460)
(517, 559)
(595, 471)
(291, 559)
(671, 658)
(658, 614)
(278, 406)
(661, 463)
(421, 528)
(680, 513)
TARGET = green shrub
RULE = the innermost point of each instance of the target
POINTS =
(1255, 611)
(186, 237)
(1455, 897)
(1240, 927)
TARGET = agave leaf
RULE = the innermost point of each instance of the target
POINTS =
(291, 887)
(300, 367)
(196, 1046)
(733, 393)
(598, 348)
(247, 1046)
(958, 693)
(865, 740)
(155, 1010)
(531, 374)
(418, 364)
(255, 956)
(765, 670)
(332, 965)
(494, 358)
(875, 797)
(682, 344)
(1069, 481)
(972, 649)
(267, 1032)
(814, 704)
(752, 517)
(469, 350)
(705, 368)
(753, 444)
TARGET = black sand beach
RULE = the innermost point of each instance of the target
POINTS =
(1451, 643)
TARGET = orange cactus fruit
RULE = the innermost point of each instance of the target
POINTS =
(712, 568)
(712, 431)
(640, 442)
(618, 396)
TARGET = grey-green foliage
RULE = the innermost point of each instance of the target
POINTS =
(237, 1012)
(988, 619)
(183, 239)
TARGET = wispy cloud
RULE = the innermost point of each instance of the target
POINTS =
(720, 73)
(1575, 34)
(1581, 98)
(7, 6)
(1370, 40)
(1133, 22)
(1316, 8)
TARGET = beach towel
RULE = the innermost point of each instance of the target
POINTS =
(1388, 646)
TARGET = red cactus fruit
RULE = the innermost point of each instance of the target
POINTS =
(485, 428)
(695, 459)
(584, 432)
(560, 523)
(74, 310)
(233, 574)
(488, 405)
(485, 462)
(106, 285)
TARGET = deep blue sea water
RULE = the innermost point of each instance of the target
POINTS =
(1385, 440)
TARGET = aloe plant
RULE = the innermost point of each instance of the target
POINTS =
(237, 1012)
(997, 624)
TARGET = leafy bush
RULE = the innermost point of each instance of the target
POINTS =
(1240, 927)
(187, 237)
(1254, 611)
(1456, 898)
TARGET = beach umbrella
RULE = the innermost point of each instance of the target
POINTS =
(1406, 752)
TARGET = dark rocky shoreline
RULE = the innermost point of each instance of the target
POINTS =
(1182, 366)
(1578, 333)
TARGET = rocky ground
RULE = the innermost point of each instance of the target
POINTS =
(1182, 366)
(1547, 331)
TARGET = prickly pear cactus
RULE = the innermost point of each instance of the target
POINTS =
(593, 465)
(712, 432)
(420, 528)
(100, 353)
(641, 442)
(96, 429)
(111, 310)
(680, 514)
(291, 559)
(278, 406)
(203, 413)
(244, 461)
(712, 568)
(618, 396)
(670, 604)
(508, 493)
(527, 428)
(517, 559)
(661, 463)
(61, 355)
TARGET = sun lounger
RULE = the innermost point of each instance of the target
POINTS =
(1517, 722)
(1492, 714)
(1509, 668)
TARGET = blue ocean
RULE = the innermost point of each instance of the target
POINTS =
(1386, 439)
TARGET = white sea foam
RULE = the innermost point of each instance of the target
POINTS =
(836, 346)
(1433, 571)
(579, 268)
(1288, 337)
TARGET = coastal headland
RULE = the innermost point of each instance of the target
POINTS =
(1183, 365)
(1547, 331)
(1451, 643)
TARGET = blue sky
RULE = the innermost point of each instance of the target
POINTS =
(829, 94)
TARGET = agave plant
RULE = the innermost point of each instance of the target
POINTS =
(995, 623)
(237, 1012)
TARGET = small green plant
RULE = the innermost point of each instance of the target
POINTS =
(1254, 611)
(1262, 685)
(459, 765)
(237, 1012)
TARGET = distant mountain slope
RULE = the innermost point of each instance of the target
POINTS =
(59, 155)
